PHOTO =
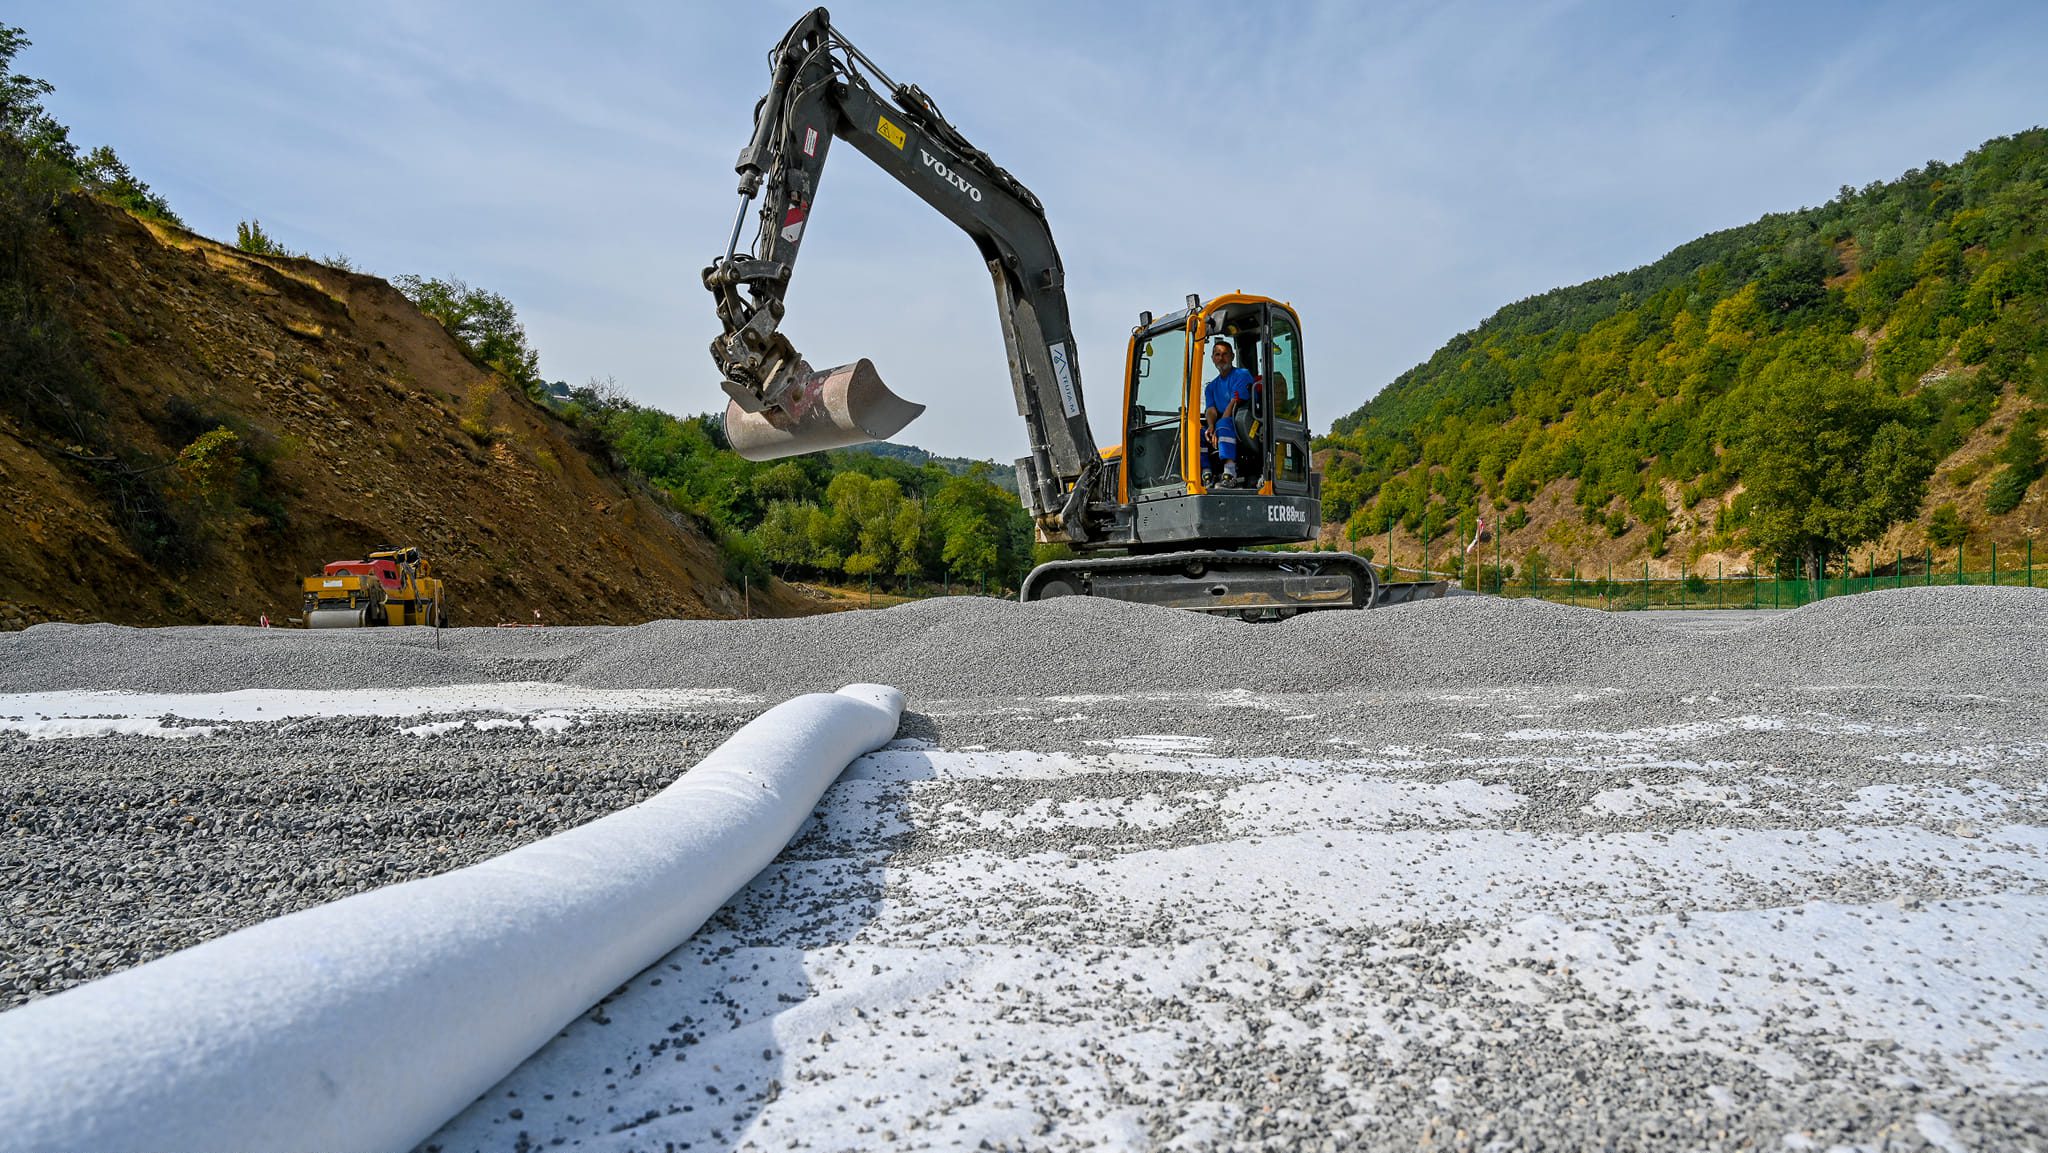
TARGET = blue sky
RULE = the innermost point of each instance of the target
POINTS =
(1397, 171)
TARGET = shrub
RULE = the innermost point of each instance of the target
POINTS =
(476, 410)
(210, 468)
(250, 237)
(2022, 459)
(1946, 528)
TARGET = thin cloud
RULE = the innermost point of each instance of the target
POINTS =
(1397, 171)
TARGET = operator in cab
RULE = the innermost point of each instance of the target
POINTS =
(1226, 413)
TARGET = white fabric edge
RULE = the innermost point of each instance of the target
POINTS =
(368, 1022)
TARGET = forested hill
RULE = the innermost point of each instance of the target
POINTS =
(1864, 374)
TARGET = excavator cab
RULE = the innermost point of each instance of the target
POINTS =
(1168, 369)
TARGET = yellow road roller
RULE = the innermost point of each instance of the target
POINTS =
(392, 586)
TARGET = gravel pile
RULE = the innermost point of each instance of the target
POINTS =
(962, 646)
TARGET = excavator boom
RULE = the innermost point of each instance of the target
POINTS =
(823, 90)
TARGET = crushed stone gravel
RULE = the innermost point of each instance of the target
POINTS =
(1842, 731)
(966, 646)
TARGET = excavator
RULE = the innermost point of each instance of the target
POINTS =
(1151, 520)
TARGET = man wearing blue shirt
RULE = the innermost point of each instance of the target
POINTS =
(1226, 412)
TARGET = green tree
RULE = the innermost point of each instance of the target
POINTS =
(2021, 458)
(986, 533)
(25, 122)
(211, 467)
(250, 237)
(784, 481)
(782, 537)
(906, 530)
(862, 564)
(1834, 465)
(106, 174)
(484, 323)
(1945, 529)
(971, 550)
(22, 116)
(865, 510)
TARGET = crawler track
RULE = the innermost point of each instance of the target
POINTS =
(1254, 585)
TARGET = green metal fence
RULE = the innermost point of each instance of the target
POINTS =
(1632, 587)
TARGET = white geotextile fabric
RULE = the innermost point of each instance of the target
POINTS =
(366, 1023)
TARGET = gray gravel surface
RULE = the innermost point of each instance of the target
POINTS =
(961, 646)
(1873, 762)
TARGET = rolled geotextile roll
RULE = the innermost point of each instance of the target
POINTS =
(366, 1023)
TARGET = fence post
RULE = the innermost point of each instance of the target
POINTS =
(1994, 564)
(1720, 598)
(1646, 586)
(1899, 567)
(2030, 562)
(1960, 579)
(1681, 584)
(1930, 566)
(1610, 586)
(1575, 584)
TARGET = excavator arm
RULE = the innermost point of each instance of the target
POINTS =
(822, 91)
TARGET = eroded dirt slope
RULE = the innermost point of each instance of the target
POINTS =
(375, 430)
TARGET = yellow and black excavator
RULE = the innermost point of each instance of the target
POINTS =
(1166, 518)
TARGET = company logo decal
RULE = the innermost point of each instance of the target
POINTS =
(948, 175)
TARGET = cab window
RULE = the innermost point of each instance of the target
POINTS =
(1286, 387)
(1162, 373)
(1158, 392)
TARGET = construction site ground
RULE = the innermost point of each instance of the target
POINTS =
(1466, 874)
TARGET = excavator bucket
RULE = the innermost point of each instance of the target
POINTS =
(835, 408)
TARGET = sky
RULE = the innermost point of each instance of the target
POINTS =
(1396, 171)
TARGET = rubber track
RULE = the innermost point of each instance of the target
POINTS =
(1174, 565)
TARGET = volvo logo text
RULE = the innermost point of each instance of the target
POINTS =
(948, 175)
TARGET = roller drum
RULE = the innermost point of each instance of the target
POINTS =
(338, 618)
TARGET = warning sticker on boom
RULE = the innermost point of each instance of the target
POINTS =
(1069, 400)
(889, 132)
